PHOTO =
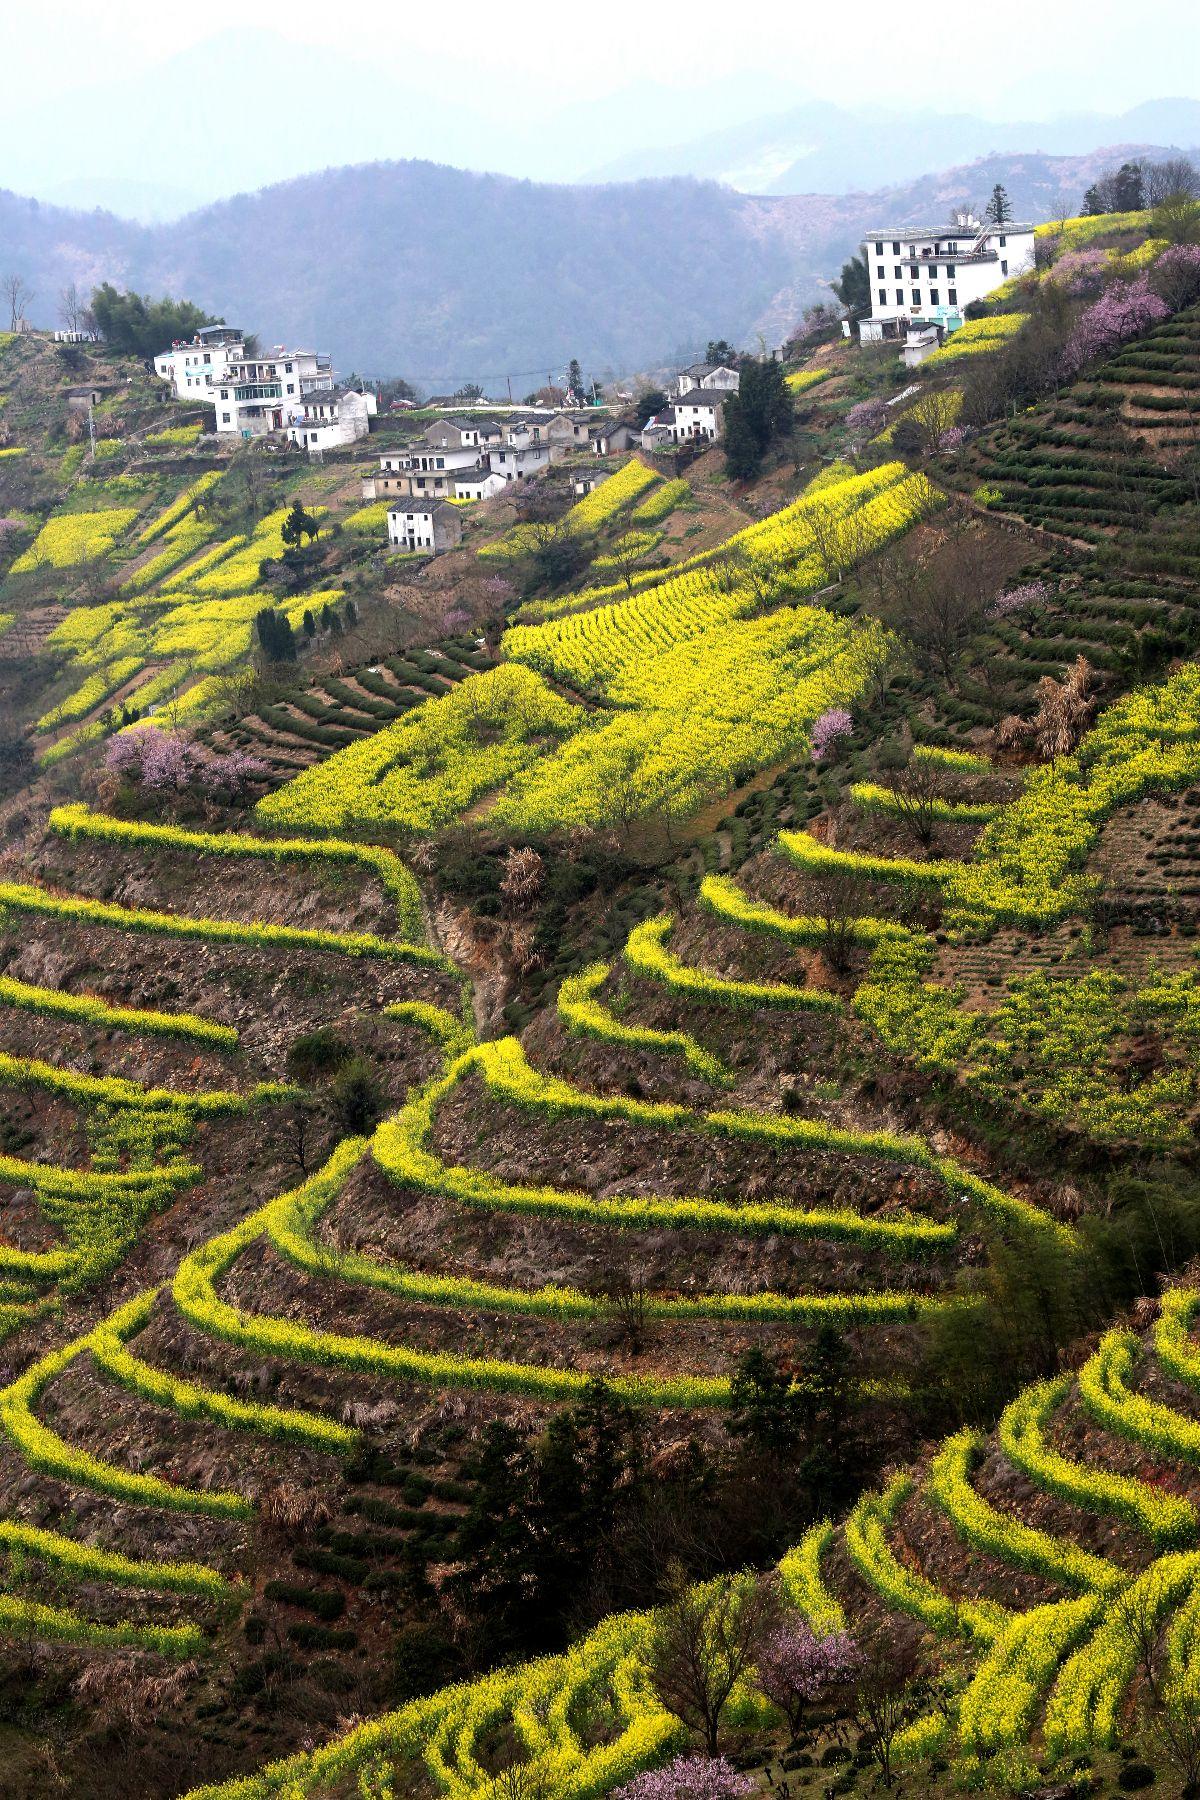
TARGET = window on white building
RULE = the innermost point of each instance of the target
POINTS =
(916, 300)
(1003, 267)
(883, 296)
(933, 297)
(899, 296)
(879, 249)
(1003, 242)
(879, 272)
(913, 270)
(952, 296)
(224, 418)
(950, 270)
(895, 249)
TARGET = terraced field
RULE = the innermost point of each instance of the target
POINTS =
(1051, 1566)
(398, 1269)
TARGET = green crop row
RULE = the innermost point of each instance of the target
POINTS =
(998, 1534)
(397, 881)
(87, 1563)
(729, 903)
(1107, 1396)
(647, 955)
(290, 1223)
(401, 1148)
(108, 1344)
(1083, 1709)
(115, 1090)
(1167, 1519)
(50, 1454)
(196, 1296)
(89, 1009)
(903, 1588)
(26, 1619)
(872, 798)
(23, 897)
(582, 1012)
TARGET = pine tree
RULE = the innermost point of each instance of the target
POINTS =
(998, 211)
(275, 635)
(743, 453)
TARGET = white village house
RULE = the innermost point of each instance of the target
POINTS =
(472, 461)
(192, 367)
(717, 376)
(332, 416)
(258, 394)
(424, 525)
(930, 274)
(699, 414)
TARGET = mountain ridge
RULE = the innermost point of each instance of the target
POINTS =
(444, 275)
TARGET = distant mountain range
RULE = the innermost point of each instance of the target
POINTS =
(190, 124)
(415, 269)
(820, 147)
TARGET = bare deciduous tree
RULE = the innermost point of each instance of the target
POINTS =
(915, 791)
(1064, 711)
(71, 308)
(19, 296)
(887, 1697)
(705, 1640)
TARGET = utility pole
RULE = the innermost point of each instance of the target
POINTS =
(91, 431)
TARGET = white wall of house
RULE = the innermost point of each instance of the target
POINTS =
(479, 487)
(192, 369)
(929, 274)
(266, 393)
(413, 527)
(695, 418)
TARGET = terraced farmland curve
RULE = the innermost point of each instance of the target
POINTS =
(1051, 1568)
(398, 1266)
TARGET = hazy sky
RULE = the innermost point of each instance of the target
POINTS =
(1024, 56)
(151, 109)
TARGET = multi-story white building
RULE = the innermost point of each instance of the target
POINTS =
(932, 273)
(265, 393)
(193, 367)
(332, 416)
